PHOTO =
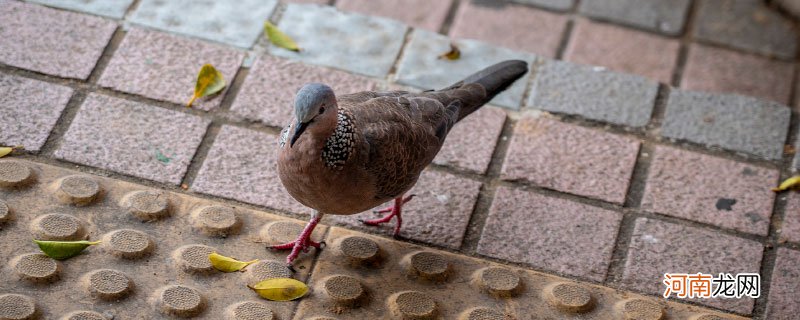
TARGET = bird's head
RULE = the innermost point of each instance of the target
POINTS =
(315, 109)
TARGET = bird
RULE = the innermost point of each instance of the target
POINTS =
(348, 154)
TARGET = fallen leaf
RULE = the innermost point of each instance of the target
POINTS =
(209, 81)
(61, 250)
(4, 151)
(791, 183)
(162, 158)
(227, 264)
(453, 54)
(278, 38)
(789, 149)
(280, 289)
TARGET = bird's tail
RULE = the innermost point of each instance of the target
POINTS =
(494, 79)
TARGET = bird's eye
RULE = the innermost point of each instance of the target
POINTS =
(321, 109)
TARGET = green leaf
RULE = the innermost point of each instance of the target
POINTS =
(280, 289)
(161, 157)
(209, 81)
(227, 264)
(278, 38)
(791, 183)
(61, 250)
(453, 54)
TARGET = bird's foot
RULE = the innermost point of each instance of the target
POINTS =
(303, 242)
(394, 211)
(390, 208)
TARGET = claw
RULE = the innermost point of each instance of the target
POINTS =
(303, 242)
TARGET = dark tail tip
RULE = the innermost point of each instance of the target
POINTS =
(498, 77)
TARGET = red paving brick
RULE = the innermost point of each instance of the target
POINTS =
(724, 71)
(472, 141)
(267, 94)
(438, 215)
(711, 190)
(30, 109)
(623, 50)
(242, 165)
(51, 41)
(570, 158)
(132, 138)
(553, 234)
(423, 14)
(513, 26)
(790, 230)
(659, 247)
(164, 67)
(785, 286)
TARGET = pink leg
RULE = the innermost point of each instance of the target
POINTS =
(395, 211)
(303, 241)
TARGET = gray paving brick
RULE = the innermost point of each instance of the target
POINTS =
(28, 110)
(237, 23)
(667, 17)
(108, 8)
(732, 122)
(550, 4)
(349, 41)
(421, 66)
(594, 93)
(747, 25)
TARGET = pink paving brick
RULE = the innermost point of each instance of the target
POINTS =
(164, 67)
(50, 41)
(790, 229)
(785, 286)
(30, 109)
(513, 26)
(423, 14)
(242, 165)
(267, 94)
(438, 215)
(132, 138)
(711, 190)
(550, 233)
(472, 141)
(720, 70)
(659, 247)
(623, 50)
(570, 158)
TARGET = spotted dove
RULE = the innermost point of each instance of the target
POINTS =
(347, 154)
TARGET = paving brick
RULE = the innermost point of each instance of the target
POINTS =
(785, 286)
(594, 93)
(561, 5)
(421, 66)
(108, 8)
(164, 66)
(711, 190)
(720, 70)
(267, 94)
(623, 50)
(659, 247)
(564, 237)
(242, 165)
(570, 158)
(747, 25)
(790, 230)
(513, 26)
(667, 17)
(51, 41)
(30, 110)
(732, 122)
(132, 138)
(357, 43)
(220, 21)
(423, 14)
(472, 141)
(438, 215)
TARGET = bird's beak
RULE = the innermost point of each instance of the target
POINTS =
(299, 127)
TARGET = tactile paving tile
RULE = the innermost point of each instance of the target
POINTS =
(152, 264)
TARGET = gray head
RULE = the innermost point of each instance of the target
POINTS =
(312, 101)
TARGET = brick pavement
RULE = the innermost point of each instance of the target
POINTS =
(625, 180)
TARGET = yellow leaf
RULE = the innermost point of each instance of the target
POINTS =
(791, 183)
(227, 264)
(453, 54)
(280, 289)
(4, 151)
(209, 81)
(61, 250)
(278, 38)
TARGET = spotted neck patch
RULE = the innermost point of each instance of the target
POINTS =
(340, 145)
